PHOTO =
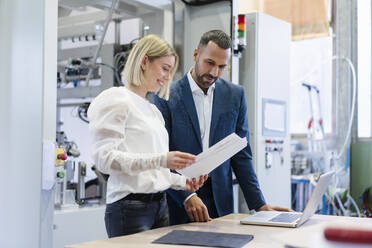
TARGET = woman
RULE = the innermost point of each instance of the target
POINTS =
(130, 142)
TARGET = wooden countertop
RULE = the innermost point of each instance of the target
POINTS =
(264, 236)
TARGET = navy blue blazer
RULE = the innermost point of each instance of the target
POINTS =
(229, 114)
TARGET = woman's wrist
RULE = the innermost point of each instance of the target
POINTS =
(163, 160)
(179, 182)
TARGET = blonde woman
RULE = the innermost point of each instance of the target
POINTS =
(130, 142)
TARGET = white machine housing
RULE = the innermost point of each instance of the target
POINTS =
(264, 73)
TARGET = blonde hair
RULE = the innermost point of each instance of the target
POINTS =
(154, 47)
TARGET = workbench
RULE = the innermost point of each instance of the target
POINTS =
(310, 234)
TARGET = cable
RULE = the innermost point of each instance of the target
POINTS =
(133, 41)
(354, 204)
(352, 104)
(120, 60)
(341, 207)
(116, 72)
(82, 112)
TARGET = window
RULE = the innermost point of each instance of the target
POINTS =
(311, 61)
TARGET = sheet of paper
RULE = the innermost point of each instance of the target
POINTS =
(215, 155)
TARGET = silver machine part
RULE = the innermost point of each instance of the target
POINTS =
(82, 172)
(70, 170)
(102, 185)
(58, 196)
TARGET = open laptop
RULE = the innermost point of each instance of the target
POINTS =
(292, 219)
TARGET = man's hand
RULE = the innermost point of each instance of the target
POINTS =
(274, 208)
(196, 210)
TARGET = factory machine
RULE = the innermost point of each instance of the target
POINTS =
(264, 73)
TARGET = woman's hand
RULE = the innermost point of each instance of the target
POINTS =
(179, 160)
(193, 185)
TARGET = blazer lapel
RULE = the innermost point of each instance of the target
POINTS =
(189, 103)
(217, 106)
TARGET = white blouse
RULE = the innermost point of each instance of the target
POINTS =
(130, 143)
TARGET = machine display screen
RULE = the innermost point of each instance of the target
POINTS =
(274, 117)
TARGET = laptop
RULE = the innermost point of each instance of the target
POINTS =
(292, 219)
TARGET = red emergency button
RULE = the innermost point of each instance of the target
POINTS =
(62, 156)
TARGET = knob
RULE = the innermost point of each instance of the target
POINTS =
(62, 156)
(60, 174)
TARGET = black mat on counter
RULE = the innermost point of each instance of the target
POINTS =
(180, 237)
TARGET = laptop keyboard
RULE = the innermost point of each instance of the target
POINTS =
(286, 217)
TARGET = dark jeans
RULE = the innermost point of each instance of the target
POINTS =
(125, 216)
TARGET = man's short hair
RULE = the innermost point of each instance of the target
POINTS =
(217, 36)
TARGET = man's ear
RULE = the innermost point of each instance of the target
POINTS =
(196, 53)
(144, 62)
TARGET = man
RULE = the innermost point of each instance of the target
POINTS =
(202, 110)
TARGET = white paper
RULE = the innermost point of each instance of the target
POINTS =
(214, 156)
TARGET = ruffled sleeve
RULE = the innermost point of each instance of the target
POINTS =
(108, 114)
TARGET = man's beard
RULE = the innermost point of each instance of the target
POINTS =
(199, 78)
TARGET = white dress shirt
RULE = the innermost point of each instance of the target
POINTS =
(203, 104)
(130, 143)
